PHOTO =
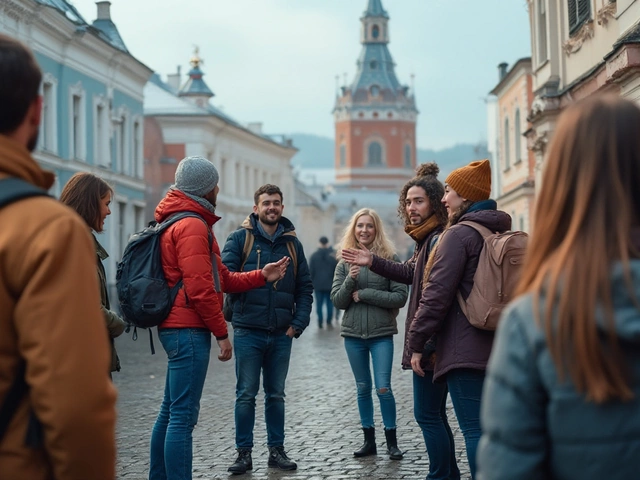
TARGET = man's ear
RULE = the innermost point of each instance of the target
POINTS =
(255, 209)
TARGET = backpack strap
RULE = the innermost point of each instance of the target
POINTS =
(481, 229)
(294, 258)
(246, 249)
(13, 189)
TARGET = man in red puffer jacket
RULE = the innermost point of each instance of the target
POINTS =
(196, 313)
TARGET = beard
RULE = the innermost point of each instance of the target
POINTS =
(33, 141)
(264, 218)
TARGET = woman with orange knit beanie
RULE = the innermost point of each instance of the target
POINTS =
(462, 351)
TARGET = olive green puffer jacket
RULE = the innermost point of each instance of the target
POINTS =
(380, 299)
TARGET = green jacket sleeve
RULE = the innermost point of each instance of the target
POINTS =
(115, 325)
(343, 286)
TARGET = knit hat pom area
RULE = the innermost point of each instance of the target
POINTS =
(473, 181)
(197, 176)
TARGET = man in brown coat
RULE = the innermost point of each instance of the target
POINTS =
(50, 318)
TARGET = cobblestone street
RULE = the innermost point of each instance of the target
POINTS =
(322, 422)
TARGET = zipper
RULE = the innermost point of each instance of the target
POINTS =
(259, 250)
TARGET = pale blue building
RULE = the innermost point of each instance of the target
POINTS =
(92, 105)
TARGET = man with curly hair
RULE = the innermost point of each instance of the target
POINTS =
(425, 217)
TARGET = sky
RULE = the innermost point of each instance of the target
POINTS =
(276, 61)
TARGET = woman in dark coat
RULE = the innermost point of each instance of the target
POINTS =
(90, 196)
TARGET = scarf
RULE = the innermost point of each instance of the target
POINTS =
(420, 232)
(201, 201)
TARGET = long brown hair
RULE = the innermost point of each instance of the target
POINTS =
(83, 192)
(586, 208)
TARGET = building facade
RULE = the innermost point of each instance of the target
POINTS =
(375, 117)
(513, 162)
(579, 47)
(92, 119)
(180, 121)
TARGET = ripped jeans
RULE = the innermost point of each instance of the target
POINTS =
(380, 351)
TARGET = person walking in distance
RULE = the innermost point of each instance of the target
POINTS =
(561, 398)
(265, 322)
(322, 264)
(90, 196)
(371, 304)
(424, 217)
(185, 334)
(54, 352)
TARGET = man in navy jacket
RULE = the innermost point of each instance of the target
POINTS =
(265, 321)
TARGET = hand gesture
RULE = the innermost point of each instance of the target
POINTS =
(355, 296)
(356, 256)
(225, 350)
(275, 271)
(354, 270)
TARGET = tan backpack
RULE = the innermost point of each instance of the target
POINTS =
(496, 278)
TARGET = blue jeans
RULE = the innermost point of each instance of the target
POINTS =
(465, 387)
(323, 298)
(188, 351)
(381, 352)
(430, 410)
(259, 350)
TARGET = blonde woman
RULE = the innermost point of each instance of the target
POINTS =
(371, 304)
(561, 399)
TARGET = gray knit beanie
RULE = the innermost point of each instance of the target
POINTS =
(196, 176)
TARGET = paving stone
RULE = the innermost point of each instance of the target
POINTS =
(322, 423)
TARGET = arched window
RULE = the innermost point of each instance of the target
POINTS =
(343, 155)
(375, 154)
(407, 156)
(507, 161)
(375, 31)
(517, 137)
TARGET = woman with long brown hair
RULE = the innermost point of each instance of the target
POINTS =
(561, 397)
(90, 196)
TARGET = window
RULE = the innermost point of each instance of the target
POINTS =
(517, 137)
(375, 90)
(579, 13)
(375, 154)
(138, 212)
(375, 31)
(407, 156)
(48, 131)
(101, 147)
(373, 64)
(507, 161)
(542, 32)
(77, 123)
(122, 233)
(138, 164)
(343, 155)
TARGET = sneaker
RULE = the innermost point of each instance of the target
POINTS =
(242, 463)
(278, 458)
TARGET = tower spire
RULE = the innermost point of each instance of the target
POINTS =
(196, 88)
(375, 9)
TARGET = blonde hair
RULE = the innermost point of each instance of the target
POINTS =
(381, 245)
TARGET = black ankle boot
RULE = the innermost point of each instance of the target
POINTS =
(392, 444)
(278, 458)
(369, 445)
(242, 463)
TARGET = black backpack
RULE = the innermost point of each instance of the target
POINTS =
(144, 295)
(12, 190)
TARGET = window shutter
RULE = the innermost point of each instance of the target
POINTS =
(573, 14)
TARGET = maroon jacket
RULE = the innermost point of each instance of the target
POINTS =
(459, 345)
(406, 273)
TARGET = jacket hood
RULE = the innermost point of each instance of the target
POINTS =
(627, 312)
(494, 220)
(250, 224)
(16, 161)
(175, 201)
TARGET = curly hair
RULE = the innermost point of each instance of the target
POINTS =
(427, 179)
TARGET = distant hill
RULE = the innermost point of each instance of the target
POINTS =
(316, 152)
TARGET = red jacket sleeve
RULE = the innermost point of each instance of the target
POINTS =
(194, 262)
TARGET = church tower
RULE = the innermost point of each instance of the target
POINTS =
(375, 117)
